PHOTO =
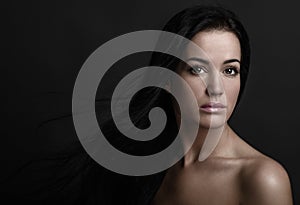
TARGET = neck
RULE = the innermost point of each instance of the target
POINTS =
(207, 144)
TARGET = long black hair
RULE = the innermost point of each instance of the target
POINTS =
(114, 188)
(73, 177)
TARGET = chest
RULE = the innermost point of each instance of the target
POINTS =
(199, 186)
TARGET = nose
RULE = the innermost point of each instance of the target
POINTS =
(214, 85)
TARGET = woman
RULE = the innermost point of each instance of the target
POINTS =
(234, 172)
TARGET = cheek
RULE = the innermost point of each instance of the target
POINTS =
(196, 84)
(232, 90)
(198, 87)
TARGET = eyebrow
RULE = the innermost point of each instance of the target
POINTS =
(207, 62)
(231, 61)
(199, 60)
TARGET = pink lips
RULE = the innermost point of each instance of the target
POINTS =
(212, 107)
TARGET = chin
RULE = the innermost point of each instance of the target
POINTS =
(212, 122)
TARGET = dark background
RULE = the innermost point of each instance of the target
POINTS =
(45, 44)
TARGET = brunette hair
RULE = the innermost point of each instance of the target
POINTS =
(187, 23)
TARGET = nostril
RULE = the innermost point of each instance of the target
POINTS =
(214, 92)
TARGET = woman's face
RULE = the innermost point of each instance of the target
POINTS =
(214, 77)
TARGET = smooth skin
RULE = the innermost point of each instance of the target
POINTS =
(235, 173)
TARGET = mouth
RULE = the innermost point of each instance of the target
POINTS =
(213, 107)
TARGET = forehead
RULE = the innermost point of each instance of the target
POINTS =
(217, 45)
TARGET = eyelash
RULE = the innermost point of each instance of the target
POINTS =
(234, 69)
(193, 70)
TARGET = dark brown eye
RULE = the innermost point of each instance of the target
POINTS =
(231, 71)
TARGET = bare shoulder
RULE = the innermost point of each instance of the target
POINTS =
(265, 181)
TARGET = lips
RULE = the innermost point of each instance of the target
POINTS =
(212, 107)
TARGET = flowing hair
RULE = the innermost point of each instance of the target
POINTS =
(141, 190)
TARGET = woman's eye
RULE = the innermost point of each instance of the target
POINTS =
(196, 70)
(231, 71)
